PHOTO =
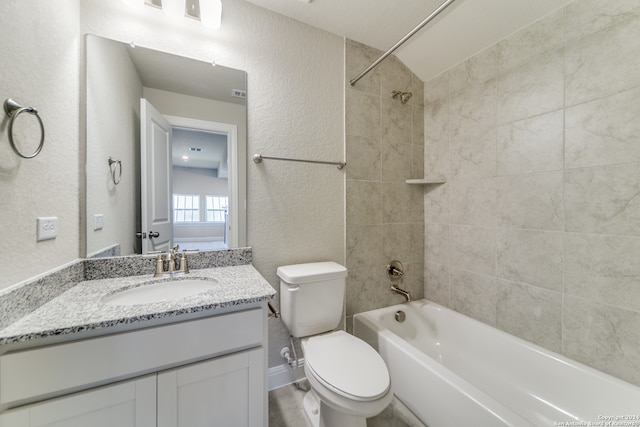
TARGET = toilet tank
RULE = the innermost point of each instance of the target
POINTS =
(312, 297)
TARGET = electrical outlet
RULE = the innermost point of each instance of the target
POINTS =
(47, 228)
(98, 221)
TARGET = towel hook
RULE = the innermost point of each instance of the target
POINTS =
(13, 110)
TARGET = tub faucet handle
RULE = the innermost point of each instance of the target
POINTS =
(395, 270)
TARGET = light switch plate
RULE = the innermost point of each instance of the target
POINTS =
(47, 228)
(98, 221)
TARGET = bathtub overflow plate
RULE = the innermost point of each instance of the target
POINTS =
(400, 316)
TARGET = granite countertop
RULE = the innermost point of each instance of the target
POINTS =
(81, 308)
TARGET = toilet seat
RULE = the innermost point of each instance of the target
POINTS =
(347, 366)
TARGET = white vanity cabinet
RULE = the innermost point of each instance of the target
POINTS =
(227, 391)
(128, 404)
(203, 372)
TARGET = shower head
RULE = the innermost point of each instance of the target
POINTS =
(404, 96)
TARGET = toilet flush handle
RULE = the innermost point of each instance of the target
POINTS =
(295, 289)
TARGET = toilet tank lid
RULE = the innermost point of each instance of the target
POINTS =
(311, 272)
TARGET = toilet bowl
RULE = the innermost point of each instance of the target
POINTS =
(349, 380)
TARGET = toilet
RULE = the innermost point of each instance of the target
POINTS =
(349, 381)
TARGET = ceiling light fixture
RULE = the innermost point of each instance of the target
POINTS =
(173, 8)
(134, 3)
(209, 12)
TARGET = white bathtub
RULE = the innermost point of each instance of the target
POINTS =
(451, 370)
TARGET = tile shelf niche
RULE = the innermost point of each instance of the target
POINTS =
(427, 180)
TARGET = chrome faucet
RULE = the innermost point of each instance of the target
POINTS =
(175, 266)
(397, 290)
(395, 273)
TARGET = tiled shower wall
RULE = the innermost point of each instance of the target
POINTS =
(537, 230)
(384, 147)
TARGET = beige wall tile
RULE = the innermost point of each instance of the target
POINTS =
(530, 201)
(394, 75)
(474, 295)
(531, 257)
(364, 203)
(473, 202)
(437, 243)
(531, 145)
(396, 122)
(603, 269)
(364, 246)
(358, 57)
(436, 139)
(603, 63)
(603, 199)
(397, 161)
(528, 44)
(362, 115)
(477, 69)
(604, 131)
(404, 242)
(557, 136)
(530, 313)
(586, 17)
(436, 283)
(532, 89)
(436, 203)
(367, 289)
(364, 158)
(473, 249)
(384, 215)
(436, 89)
(605, 337)
(402, 203)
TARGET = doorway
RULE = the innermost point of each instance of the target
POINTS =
(205, 184)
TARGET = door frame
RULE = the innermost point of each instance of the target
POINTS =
(231, 131)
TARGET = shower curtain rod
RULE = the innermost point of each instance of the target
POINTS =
(418, 27)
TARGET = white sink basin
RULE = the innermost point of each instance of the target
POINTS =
(161, 292)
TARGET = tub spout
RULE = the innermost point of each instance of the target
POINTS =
(397, 290)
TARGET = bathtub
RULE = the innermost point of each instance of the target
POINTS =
(451, 370)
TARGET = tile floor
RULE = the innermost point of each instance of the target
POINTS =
(285, 410)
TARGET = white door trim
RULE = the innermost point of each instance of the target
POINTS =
(232, 139)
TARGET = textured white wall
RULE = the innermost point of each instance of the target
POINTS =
(40, 67)
(295, 108)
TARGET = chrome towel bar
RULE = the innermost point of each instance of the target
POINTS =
(257, 158)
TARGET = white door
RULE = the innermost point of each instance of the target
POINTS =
(155, 182)
(223, 392)
(128, 404)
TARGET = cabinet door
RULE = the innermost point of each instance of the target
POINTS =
(128, 404)
(227, 391)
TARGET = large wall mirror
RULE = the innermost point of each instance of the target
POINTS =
(166, 145)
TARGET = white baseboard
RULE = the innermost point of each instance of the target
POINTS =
(282, 375)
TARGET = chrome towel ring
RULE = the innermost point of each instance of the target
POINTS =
(13, 110)
(117, 168)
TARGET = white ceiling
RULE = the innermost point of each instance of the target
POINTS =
(205, 150)
(165, 71)
(463, 29)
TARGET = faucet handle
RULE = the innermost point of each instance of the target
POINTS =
(159, 266)
(184, 268)
(395, 270)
